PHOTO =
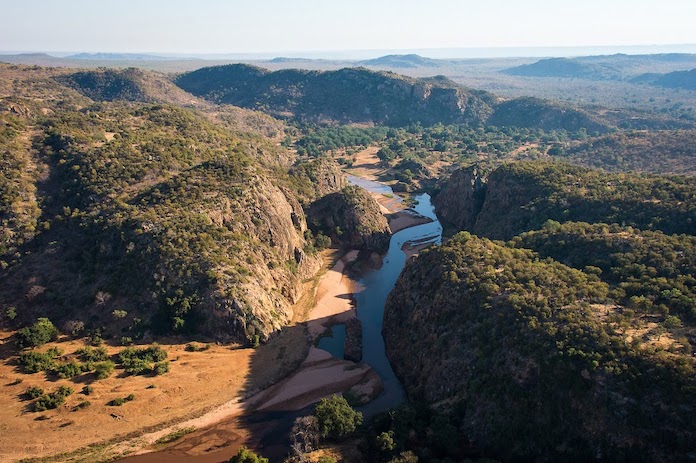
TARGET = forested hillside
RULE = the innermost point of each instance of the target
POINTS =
(531, 359)
(170, 215)
(521, 196)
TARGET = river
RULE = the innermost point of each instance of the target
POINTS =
(376, 286)
(272, 429)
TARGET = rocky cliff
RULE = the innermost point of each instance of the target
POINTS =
(522, 196)
(351, 217)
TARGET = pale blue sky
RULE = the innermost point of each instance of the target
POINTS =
(236, 26)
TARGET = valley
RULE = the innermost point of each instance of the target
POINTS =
(506, 276)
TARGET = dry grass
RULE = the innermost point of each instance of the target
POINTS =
(197, 381)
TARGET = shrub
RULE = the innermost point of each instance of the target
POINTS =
(87, 390)
(139, 361)
(89, 354)
(38, 334)
(244, 455)
(336, 417)
(103, 370)
(52, 400)
(195, 347)
(119, 314)
(117, 402)
(174, 435)
(34, 392)
(126, 341)
(33, 362)
(82, 405)
(161, 368)
(69, 370)
(322, 241)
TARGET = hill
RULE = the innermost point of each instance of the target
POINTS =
(359, 95)
(401, 61)
(605, 67)
(677, 79)
(179, 219)
(346, 95)
(528, 359)
(534, 113)
(660, 152)
(127, 85)
(116, 56)
(522, 196)
(563, 67)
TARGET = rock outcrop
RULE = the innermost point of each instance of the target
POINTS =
(460, 201)
(351, 217)
(352, 346)
(522, 196)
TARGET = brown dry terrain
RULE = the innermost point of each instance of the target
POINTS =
(198, 382)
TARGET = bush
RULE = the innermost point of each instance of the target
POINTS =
(52, 400)
(89, 354)
(336, 417)
(69, 370)
(104, 369)
(140, 361)
(33, 362)
(244, 455)
(322, 241)
(34, 392)
(87, 390)
(38, 334)
(195, 347)
(161, 368)
(82, 405)
(118, 401)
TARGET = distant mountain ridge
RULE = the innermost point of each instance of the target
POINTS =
(402, 61)
(346, 95)
(360, 95)
(677, 79)
(116, 56)
(610, 67)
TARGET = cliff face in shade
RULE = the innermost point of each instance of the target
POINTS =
(522, 196)
(351, 217)
(461, 199)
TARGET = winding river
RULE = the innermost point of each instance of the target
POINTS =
(376, 286)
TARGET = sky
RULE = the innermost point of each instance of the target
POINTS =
(275, 26)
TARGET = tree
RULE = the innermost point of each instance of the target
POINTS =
(38, 334)
(336, 417)
(244, 455)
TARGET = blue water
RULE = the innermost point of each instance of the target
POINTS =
(376, 286)
(334, 341)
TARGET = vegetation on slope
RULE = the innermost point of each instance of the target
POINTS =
(522, 196)
(149, 209)
(649, 272)
(662, 152)
(515, 347)
(346, 95)
(351, 217)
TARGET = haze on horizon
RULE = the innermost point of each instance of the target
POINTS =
(274, 26)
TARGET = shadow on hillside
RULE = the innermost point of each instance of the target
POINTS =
(268, 433)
